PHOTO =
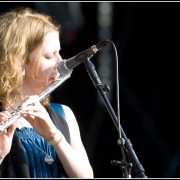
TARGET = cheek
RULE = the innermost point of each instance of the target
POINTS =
(45, 69)
(30, 69)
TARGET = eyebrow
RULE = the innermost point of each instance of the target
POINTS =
(49, 52)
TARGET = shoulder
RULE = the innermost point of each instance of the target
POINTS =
(68, 111)
(70, 116)
(58, 106)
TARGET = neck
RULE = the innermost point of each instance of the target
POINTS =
(30, 89)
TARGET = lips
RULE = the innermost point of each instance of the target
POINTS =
(55, 78)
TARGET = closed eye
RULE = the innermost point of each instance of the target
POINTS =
(49, 57)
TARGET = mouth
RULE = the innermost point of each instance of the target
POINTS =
(52, 79)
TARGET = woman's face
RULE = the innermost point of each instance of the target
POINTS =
(48, 59)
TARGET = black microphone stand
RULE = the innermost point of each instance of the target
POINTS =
(123, 142)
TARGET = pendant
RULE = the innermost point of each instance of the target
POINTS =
(48, 159)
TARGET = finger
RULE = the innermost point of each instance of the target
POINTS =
(31, 104)
(29, 101)
(5, 114)
(33, 114)
(11, 129)
(28, 109)
(2, 120)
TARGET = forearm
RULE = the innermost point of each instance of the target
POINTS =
(73, 162)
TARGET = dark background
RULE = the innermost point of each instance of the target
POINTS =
(146, 35)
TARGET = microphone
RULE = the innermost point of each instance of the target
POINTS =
(66, 66)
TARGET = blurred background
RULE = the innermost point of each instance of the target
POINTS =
(146, 37)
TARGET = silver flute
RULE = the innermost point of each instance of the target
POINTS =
(16, 114)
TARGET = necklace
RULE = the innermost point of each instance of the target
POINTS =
(48, 158)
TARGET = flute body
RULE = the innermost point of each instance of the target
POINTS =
(17, 113)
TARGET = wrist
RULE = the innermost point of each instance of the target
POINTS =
(57, 138)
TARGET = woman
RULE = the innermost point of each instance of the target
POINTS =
(45, 141)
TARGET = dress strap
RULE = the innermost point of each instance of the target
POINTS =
(59, 109)
(57, 115)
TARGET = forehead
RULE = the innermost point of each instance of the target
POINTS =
(51, 41)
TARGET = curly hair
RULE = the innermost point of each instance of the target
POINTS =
(21, 31)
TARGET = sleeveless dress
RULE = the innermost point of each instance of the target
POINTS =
(35, 149)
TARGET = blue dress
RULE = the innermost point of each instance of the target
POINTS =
(26, 160)
(35, 149)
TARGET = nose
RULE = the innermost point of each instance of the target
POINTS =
(58, 59)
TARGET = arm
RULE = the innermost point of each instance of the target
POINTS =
(73, 156)
(6, 136)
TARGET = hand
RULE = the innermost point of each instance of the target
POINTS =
(38, 117)
(7, 135)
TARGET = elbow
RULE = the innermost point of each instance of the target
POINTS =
(89, 173)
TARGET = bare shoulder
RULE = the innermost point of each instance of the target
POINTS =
(67, 110)
(69, 113)
(72, 122)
